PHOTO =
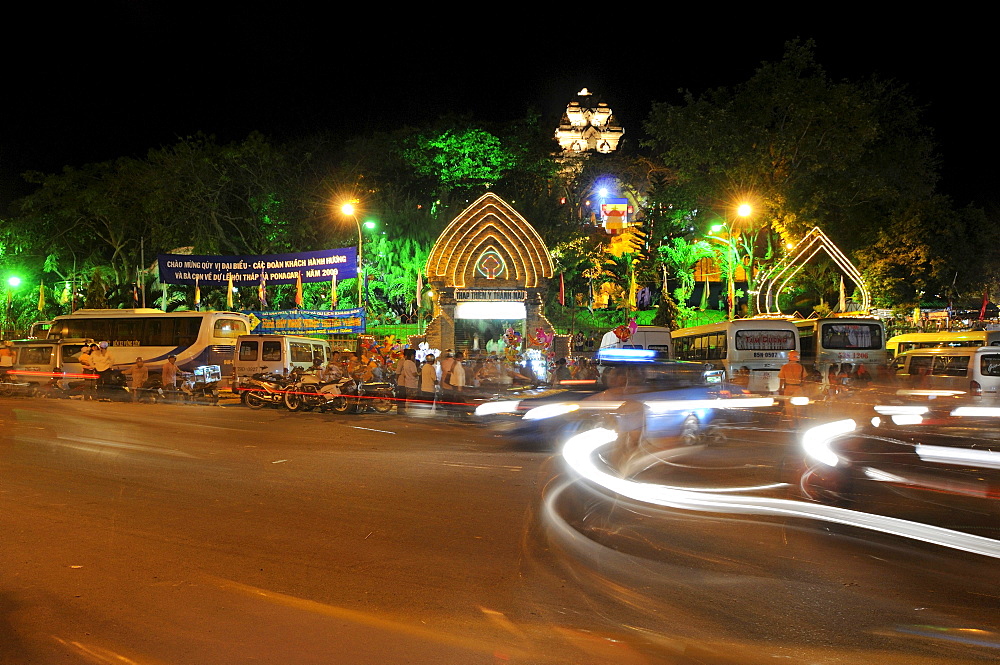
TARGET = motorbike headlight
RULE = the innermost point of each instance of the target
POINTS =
(492, 408)
(550, 411)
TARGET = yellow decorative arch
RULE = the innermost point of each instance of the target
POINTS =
(489, 224)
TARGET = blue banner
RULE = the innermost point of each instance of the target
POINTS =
(319, 266)
(308, 321)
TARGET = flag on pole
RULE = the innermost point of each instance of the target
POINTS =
(229, 294)
(197, 293)
(262, 289)
(41, 296)
(135, 295)
(64, 298)
(562, 290)
(420, 288)
(333, 289)
(843, 296)
(298, 289)
(986, 301)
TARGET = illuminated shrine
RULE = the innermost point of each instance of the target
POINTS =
(588, 126)
(489, 270)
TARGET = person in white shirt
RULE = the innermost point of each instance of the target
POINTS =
(103, 364)
(407, 380)
(428, 378)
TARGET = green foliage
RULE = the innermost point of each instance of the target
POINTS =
(679, 257)
(467, 158)
(805, 149)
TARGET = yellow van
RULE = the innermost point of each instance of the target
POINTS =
(968, 338)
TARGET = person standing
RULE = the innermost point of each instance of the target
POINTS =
(7, 355)
(87, 369)
(407, 380)
(446, 364)
(428, 379)
(138, 374)
(792, 375)
(453, 386)
(103, 364)
(168, 376)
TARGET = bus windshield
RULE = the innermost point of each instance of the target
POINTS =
(765, 340)
(866, 336)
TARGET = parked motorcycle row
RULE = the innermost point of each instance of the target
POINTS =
(115, 389)
(306, 392)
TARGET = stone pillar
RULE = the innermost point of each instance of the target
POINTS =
(441, 331)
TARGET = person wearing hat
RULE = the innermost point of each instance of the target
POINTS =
(103, 364)
(792, 375)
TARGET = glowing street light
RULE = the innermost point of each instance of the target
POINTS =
(348, 210)
(744, 210)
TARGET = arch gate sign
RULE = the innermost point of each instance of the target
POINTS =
(489, 269)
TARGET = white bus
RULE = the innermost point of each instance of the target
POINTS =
(835, 341)
(946, 338)
(751, 351)
(196, 338)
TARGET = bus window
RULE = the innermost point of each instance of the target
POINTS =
(300, 352)
(35, 355)
(248, 351)
(271, 352)
(867, 336)
(951, 366)
(229, 328)
(989, 365)
(765, 340)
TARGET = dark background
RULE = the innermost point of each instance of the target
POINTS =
(91, 84)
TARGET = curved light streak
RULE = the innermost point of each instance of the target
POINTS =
(578, 452)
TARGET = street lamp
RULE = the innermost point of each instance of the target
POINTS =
(348, 210)
(730, 263)
(12, 283)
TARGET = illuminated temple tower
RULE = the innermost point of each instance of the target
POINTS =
(489, 270)
(588, 126)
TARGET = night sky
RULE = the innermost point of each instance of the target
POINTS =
(101, 83)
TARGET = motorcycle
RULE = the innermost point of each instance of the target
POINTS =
(306, 392)
(53, 388)
(357, 397)
(264, 388)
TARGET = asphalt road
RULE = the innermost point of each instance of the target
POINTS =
(169, 534)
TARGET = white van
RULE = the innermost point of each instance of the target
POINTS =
(975, 371)
(38, 360)
(656, 338)
(276, 353)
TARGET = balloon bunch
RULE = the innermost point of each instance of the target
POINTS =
(624, 332)
(541, 339)
(512, 338)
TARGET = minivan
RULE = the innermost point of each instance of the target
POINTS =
(276, 353)
(975, 371)
(655, 338)
(38, 359)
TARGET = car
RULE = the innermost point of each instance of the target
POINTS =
(935, 462)
(645, 397)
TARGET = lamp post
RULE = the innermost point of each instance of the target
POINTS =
(12, 283)
(743, 210)
(348, 210)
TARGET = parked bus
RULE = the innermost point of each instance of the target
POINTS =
(930, 340)
(751, 351)
(196, 338)
(835, 341)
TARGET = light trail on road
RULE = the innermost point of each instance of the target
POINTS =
(579, 450)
